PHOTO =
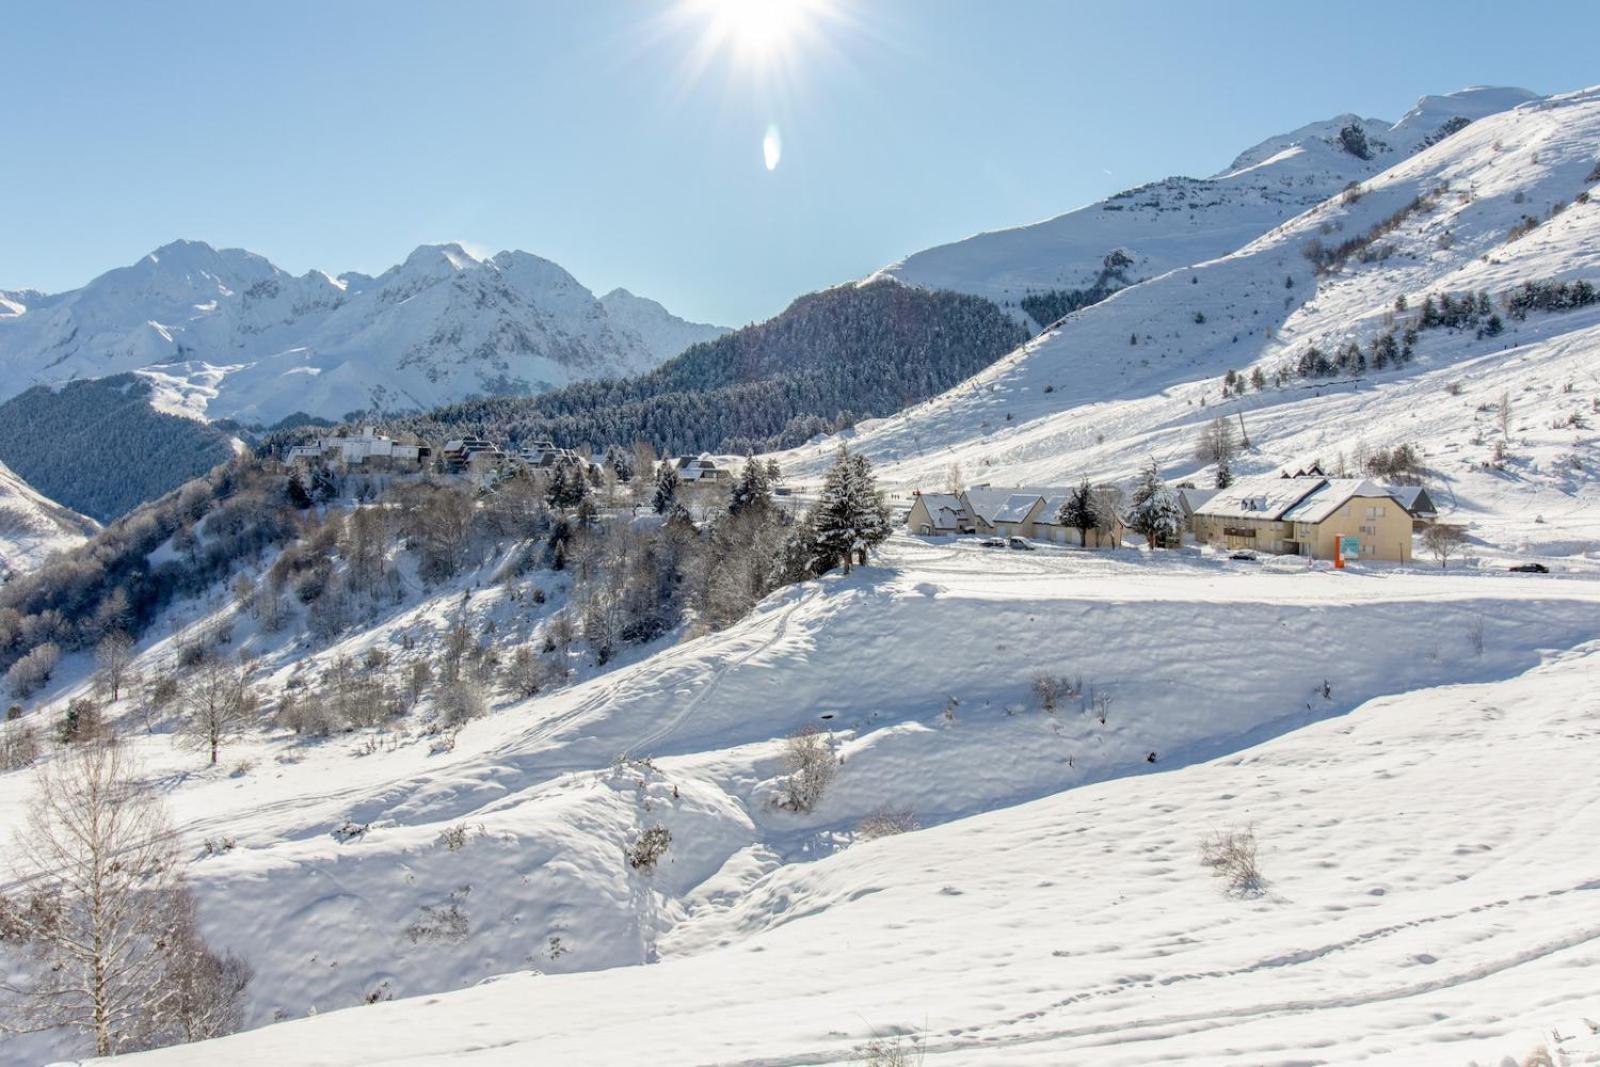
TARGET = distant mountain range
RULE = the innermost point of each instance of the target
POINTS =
(1175, 222)
(223, 333)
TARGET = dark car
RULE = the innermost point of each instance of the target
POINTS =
(1531, 568)
(1017, 542)
(992, 542)
(1247, 557)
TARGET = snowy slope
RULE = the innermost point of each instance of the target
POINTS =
(1408, 894)
(252, 342)
(1086, 400)
(1180, 221)
(32, 526)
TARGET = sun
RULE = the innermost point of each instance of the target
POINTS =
(756, 30)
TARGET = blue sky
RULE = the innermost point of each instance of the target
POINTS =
(606, 137)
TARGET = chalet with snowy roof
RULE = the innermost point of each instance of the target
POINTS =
(699, 469)
(544, 455)
(1030, 513)
(1306, 517)
(1006, 512)
(939, 515)
(463, 452)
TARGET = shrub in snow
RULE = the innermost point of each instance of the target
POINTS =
(808, 757)
(1231, 856)
(454, 838)
(892, 1052)
(460, 702)
(19, 746)
(886, 822)
(80, 723)
(1049, 690)
(29, 674)
(648, 848)
(441, 923)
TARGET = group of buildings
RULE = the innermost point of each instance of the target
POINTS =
(470, 455)
(1306, 513)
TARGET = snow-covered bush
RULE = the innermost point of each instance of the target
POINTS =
(1231, 855)
(808, 757)
(648, 848)
(1049, 690)
(886, 822)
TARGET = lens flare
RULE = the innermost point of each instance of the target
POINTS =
(772, 147)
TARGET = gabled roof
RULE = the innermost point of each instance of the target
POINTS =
(945, 510)
(1265, 496)
(1330, 496)
(1414, 498)
(1004, 505)
(1192, 500)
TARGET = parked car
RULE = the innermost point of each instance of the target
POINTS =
(1245, 556)
(992, 542)
(1017, 542)
(1531, 568)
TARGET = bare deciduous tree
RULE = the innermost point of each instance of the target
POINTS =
(107, 915)
(1443, 542)
(114, 657)
(218, 704)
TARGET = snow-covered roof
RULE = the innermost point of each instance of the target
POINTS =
(1276, 498)
(1414, 498)
(1264, 496)
(946, 510)
(1005, 505)
(1329, 496)
(1194, 499)
(1053, 503)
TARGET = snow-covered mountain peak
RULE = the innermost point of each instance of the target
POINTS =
(1050, 267)
(258, 344)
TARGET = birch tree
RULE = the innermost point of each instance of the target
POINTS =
(111, 930)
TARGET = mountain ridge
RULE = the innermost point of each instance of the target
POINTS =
(441, 325)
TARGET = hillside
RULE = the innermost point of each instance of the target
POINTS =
(245, 340)
(32, 526)
(921, 670)
(828, 359)
(1178, 221)
(1506, 201)
(104, 446)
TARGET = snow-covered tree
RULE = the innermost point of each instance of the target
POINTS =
(752, 492)
(666, 489)
(851, 515)
(1155, 513)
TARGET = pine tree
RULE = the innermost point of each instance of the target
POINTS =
(1224, 474)
(850, 516)
(296, 493)
(1079, 512)
(666, 489)
(752, 493)
(1155, 512)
